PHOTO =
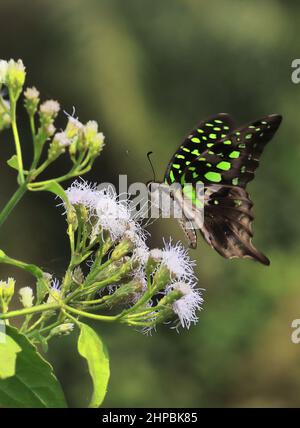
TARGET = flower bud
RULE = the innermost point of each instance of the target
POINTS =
(72, 217)
(5, 119)
(15, 77)
(161, 278)
(123, 248)
(62, 330)
(31, 100)
(154, 260)
(26, 297)
(125, 293)
(78, 276)
(73, 128)
(7, 289)
(3, 72)
(58, 145)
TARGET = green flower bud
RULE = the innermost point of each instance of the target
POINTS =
(73, 128)
(15, 77)
(72, 217)
(7, 289)
(123, 248)
(161, 278)
(154, 260)
(125, 293)
(5, 119)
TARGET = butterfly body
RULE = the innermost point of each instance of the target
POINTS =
(223, 159)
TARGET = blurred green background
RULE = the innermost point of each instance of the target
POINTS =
(148, 71)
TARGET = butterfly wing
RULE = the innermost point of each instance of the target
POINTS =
(225, 169)
(204, 136)
(228, 223)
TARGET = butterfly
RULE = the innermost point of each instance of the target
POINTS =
(223, 159)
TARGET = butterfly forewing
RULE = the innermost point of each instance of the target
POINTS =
(203, 137)
(234, 158)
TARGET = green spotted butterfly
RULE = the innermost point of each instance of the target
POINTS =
(223, 158)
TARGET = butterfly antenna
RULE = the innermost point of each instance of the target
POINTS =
(151, 164)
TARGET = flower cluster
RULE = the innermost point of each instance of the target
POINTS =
(83, 142)
(154, 286)
(111, 267)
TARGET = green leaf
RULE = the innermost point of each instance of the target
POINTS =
(91, 347)
(13, 163)
(34, 383)
(8, 354)
(55, 188)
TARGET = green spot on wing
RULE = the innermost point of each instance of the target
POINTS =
(227, 142)
(172, 178)
(212, 136)
(195, 140)
(213, 176)
(176, 166)
(225, 166)
(234, 155)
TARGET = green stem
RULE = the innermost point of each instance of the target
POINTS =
(12, 203)
(92, 316)
(17, 139)
(32, 269)
(33, 310)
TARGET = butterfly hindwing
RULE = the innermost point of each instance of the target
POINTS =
(228, 223)
(204, 136)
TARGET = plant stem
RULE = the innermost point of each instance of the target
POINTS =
(33, 310)
(88, 315)
(12, 203)
(17, 139)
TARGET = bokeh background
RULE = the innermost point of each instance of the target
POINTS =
(148, 71)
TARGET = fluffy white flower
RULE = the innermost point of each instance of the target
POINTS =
(141, 254)
(26, 296)
(50, 107)
(82, 192)
(185, 307)
(112, 215)
(177, 260)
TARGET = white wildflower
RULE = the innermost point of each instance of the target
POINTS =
(84, 193)
(26, 297)
(177, 260)
(112, 215)
(50, 107)
(61, 139)
(187, 305)
(32, 93)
